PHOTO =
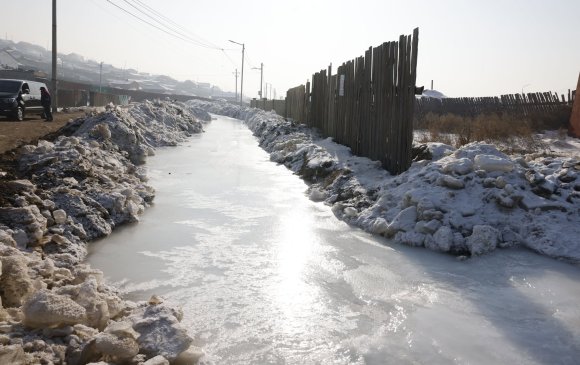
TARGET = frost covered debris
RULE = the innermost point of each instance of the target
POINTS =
(54, 308)
(466, 201)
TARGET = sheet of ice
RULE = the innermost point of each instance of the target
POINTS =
(266, 276)
(533, 201)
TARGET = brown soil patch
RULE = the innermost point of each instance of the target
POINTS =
(15, 134)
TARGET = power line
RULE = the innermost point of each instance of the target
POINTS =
(157, 27)
(229, 58)
(248, 61)
(154, 19)
(137, 29)
(201, 40)
(163, 24)
(113, 14)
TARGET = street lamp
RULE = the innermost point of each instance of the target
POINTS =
(261, 68)
(101, 78)
(242, 81)
(523, 87)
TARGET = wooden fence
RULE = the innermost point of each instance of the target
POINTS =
(367, 105)
(530, 104)
(297, 102)
(574, 129)
(279, 106)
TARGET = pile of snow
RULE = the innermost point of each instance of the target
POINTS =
(466, 201)
(559, 143)
(53, 308)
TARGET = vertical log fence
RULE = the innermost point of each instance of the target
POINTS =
(367, 105)
(515, 104)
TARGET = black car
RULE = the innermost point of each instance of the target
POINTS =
(20, 97)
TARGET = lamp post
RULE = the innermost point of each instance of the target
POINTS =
(523, 87)
(242, 81)
(101, 78)
(261, 68)
(236, 74)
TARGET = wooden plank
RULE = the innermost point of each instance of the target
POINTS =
(328, 102)
(332, 109)
(411, 100)
(366, 103)
(388, 154)
(393, 105)
(379, 101)
(306, 107)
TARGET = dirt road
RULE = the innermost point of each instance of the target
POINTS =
(14, 134)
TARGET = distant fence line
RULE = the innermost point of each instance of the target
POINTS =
(367, 105)
(76, 94)
(297, 102)
(78, 98)
(516, 104)
(279, 106)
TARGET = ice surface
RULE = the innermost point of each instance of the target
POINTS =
(532, 200)
(267, 276)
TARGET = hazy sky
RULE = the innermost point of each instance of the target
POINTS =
(469, 48)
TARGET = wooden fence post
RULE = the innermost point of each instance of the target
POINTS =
(574, 129)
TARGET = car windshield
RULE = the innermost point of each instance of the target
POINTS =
(8, 86)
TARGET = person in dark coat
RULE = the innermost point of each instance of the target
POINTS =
(46, 101)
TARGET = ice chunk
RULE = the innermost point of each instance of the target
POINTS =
(483, 239)
(491, 163)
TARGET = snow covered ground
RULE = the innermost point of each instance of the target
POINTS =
(467, 201)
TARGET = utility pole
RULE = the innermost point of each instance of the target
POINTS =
(523, 87)
(236, 75)
(101, 78)
(242, 81)
(261, 68)
(54, 52)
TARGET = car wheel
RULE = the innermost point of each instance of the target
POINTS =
(19, 114)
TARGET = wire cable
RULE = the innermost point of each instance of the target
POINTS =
(200, 39)
(155, 26)
(229, 58)
(171, 29)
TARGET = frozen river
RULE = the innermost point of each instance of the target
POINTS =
(266, 276)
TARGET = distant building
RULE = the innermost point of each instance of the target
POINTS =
(125, 85)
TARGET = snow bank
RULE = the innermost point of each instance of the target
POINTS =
(53, 308)
(466, 201)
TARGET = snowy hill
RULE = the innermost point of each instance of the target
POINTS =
(76, 68)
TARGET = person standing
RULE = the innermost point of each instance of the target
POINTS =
(46, 102)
